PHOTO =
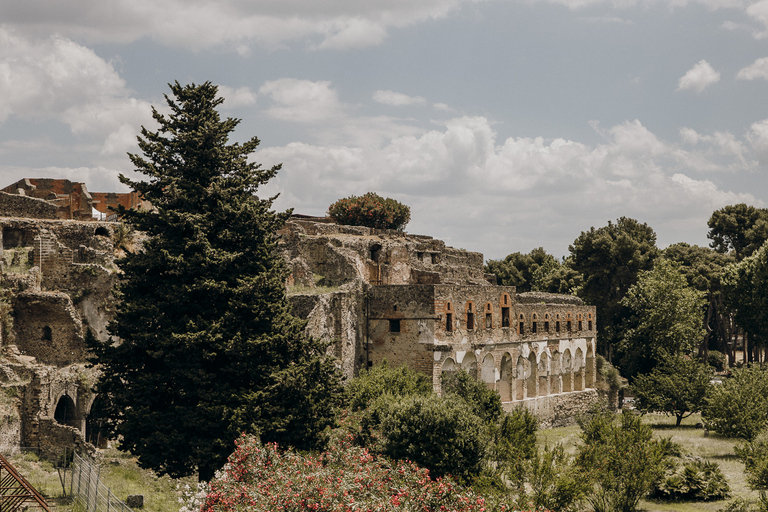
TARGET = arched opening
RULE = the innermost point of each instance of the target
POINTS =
(448, 317)
(505, 302)
(557, 324)
(521, 324)
(531, 383)
(566, 371)
(555, 384)
(546, 323)
(470, 313)
(506, 378)
(488, 316)
(95, 423)
(447, 371)
(469, 364)
(543, 370)
(101, 231)
(66, 413)
(578, 370)
(375, 252)
(534, 323)
(47, 334)
(488, 372)
(520, 379)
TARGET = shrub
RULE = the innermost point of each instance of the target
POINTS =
(754, 455)
(485, 402)
(620, 462)
(370, 210)
(548, 481)
(517, 435)
(383, 379)
(440, 434)
(739, 406)
(716, 360)
(343, 478)
(694, 480)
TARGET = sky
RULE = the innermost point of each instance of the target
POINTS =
(505, 125)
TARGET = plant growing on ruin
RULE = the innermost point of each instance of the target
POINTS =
(370, 210)
(204, 346)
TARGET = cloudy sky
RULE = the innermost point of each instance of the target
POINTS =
(505, 124)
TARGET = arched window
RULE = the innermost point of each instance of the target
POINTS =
(448, 317)
(557, 323)
(534, 323)
(546, 322)
(589, 322)
(521, 324)
(488, 316)
(505, 303)
(101, 231)
(65, 412)
(470, 313)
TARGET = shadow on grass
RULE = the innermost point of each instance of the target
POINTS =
(667, 426)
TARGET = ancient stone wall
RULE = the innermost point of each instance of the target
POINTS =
(12, 205)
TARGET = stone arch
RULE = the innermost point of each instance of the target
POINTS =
(469, 364)
(506, 377)
(578, 370)
(488, 371)
(520, 380)
(532, 381)
(589, 374)
(101, 231)
(543, 371)
(566, 371)
(555, 379)
(66, 412)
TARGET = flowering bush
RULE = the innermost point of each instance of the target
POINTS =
(345, 478)
(370, 210)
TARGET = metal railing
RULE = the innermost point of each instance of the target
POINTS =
(86, 488)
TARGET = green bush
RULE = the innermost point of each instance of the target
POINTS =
(754, 455)
(619, 461)
(739, 406)
(716, 360)
(384, 379)
(549, 481)
(441, 434)
(517, 435)
(485, 402)
(693, 480)
(370, 210)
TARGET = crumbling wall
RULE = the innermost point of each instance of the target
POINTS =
(12, 205)
(48, 328)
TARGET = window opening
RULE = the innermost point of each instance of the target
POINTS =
(589, 325)
(434, 257)
(557, 326)
(394, 326)
(568, 325)
(470, 321)
(546, 326)
(420, 256)
(488, 320)
(522, 327)
(449, 322)
(533, 327)
(580, 325)
(505, 315)
(47, 333)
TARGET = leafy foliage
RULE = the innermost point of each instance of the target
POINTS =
(485, 402)
(535, 271)
(692, 480)
(739, 406)
(754, 455)
(383, 379)
(678, 386)
(746, 286)
(740, 229)
(343, 478)
(665, 322)
(610, 259)
(619, 461)
(207, 345)
(370, 210)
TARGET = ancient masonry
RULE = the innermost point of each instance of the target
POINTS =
(376, 295)
(407, 299)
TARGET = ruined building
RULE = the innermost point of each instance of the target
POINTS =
(376, 295)
(386, 295)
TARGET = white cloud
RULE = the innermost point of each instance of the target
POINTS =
(240, 97)
(397, 99)
(699, 77)
(758, 69)
(302, 101)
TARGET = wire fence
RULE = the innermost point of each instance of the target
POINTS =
(86, 488)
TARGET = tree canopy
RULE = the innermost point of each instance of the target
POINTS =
(205, 346)
(535, 271)
(370, 210)
(740, 229)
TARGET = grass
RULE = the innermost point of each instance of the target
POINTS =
(119, 472)
(693, 440)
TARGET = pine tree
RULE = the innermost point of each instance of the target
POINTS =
(205, 346)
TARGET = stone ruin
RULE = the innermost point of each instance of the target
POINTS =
(375, 295)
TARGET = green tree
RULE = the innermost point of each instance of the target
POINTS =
(664, 322)
(484, 402)
(518, 269)
(739, 229)
(610, 259)
(746, 285)
(738, 407)
(620, 461)
(383, 379)
(677, 386)
(205, 346)
(370, 210)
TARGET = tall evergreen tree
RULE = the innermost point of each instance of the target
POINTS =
(205, 345)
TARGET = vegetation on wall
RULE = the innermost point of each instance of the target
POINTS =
(370, 210)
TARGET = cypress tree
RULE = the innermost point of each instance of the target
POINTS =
(205, 346)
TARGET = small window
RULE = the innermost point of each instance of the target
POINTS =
(533, 327)
(420, 256)
(505, 315)
(568, 326)
(448, 322)
(435, 258)
(47, 333)
(522, 327)
(546, 326)
(394, 308)
(580, 324)
(394, 325)
(589, 325)
(470, 321)
(557, 326)
(370, 364)
(488, 320)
